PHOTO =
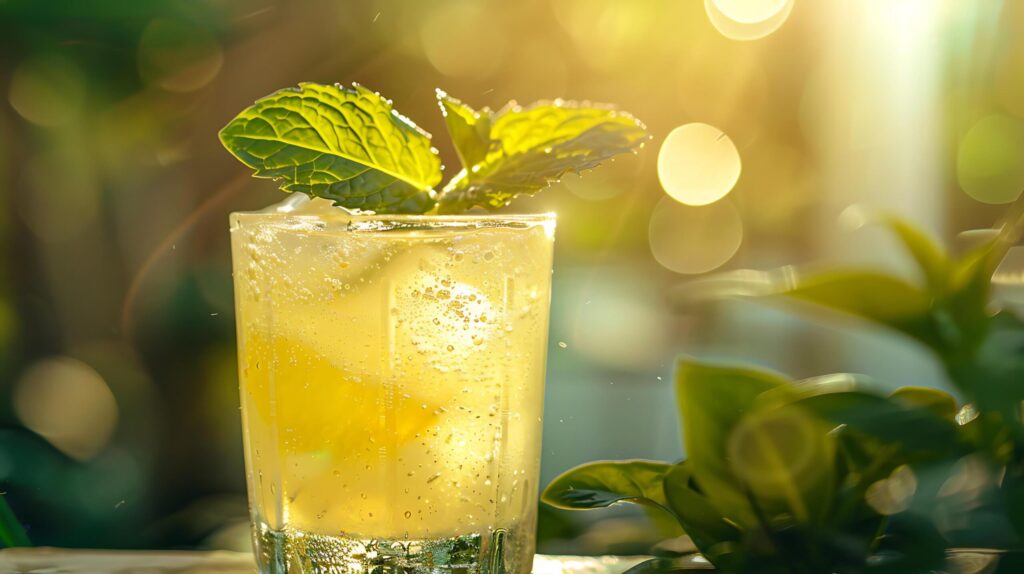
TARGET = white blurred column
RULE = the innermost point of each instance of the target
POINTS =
(875, 111)
(879, 113)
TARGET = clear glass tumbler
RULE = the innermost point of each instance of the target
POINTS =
(392, 373)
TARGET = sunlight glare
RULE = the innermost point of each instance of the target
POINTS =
(750, 11)
(742, 30)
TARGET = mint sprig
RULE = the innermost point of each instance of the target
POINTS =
(343, 144)
(350, 146)
(469, 129)
(519, 151)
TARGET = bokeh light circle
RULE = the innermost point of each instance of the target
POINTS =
(47, 90)
(698, 164)
(177, 56)
(607, 33)
(68, 403)
(693, 240)
(894, 494)
(595, 327)
(989, 164)
(745, 31)
(776, 449)
(538, 68)
(459, 42)
(750, 11)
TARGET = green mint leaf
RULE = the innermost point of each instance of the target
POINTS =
(470, 130)
(534, 146)
(343, 144)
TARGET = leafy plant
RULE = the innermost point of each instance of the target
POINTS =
(830, 475)
(11, 532)
(350, 146)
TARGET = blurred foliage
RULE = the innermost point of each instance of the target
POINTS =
(116, 193)
(822, 475)
(12, 534)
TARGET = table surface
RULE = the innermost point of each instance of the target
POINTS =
(63, 561)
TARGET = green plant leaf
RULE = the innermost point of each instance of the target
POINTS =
(698, 515)
(343, 144)
(889, 420)
(967, 304)
(712, 399)
(941, 403)
(690, 563)
(1013, 493)
(785, 458)
(534, 146)
(873, 296)
(603, 483)
(971, 283)
(993, 378)
(469, 129)
(12, 534)
(910, 543)
(930, 258)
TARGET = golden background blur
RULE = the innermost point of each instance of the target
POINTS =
(771, 118)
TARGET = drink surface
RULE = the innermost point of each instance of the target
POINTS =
(392, 375)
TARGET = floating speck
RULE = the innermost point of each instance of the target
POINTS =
(563, 345)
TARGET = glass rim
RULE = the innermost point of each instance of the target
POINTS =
(389, 223)
(413, 217)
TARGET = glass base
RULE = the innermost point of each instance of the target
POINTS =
(293, 552)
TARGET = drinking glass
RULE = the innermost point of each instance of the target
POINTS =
(392, 375)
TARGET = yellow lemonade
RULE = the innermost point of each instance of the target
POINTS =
(392, 374)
